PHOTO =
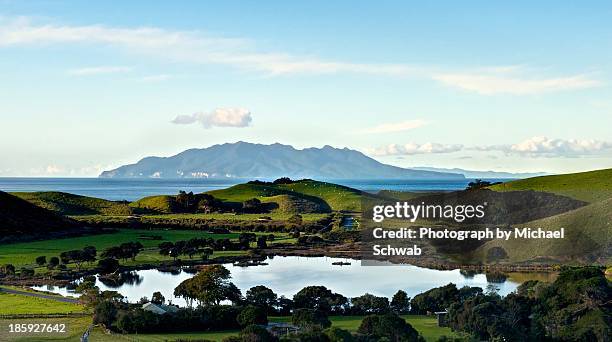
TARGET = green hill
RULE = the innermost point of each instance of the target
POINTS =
(23, 220)
(336, 197)
(164, 204)
(69, 204)
(588, 237)
(591, 186)
(289, 204)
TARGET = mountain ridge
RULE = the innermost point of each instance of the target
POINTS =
(248, 160)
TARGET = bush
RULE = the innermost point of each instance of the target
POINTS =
(309, 318)
(252, 315)
(255, 333)
(108, 265)
(389, 326)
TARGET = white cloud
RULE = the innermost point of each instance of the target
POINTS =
(547, 147)
(200, 48)
(511, 80)
(396, 127)
(413, 148)
(99, 70)
(220, 117)
(156, 78)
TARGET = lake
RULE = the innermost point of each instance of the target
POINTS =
(287, 275)
(133, 189)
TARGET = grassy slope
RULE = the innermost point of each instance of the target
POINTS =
(591, 186)
(69, 204)
(19, 217)
(426, 326)
(588, 229)
(19, 304)
(159, 203)
(337, 197)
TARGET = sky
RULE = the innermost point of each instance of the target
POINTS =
(516, 86)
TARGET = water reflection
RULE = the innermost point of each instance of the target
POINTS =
(288, 275)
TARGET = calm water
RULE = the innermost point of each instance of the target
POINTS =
(287, 275)
(133, 189)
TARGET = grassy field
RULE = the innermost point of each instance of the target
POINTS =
(24, 254)
(69, 204)
(425, 325)
(592, 186)
(19, 304)
(75, 327)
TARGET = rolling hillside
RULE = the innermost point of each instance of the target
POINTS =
(22, 219)
(331, 196)
(588, 237)
(588, 229)
(69, 204)
(591, 186)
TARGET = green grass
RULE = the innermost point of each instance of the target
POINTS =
(336, 197)
(75, 327)
(24, 254)
(159, 203)
(591, 186)
(69, 204)
(20, 304)
(425, 325)
(241, 217)
(587, 231)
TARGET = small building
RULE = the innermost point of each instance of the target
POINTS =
(442, 316)
(159, 309)
(281, 329)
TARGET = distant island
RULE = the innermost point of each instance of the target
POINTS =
(247, 160)
(484, 174)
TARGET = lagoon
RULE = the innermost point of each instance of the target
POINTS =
(287, 275)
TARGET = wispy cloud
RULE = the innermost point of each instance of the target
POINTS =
(547, 147)
(156, 78)
(99, 70)
(220, 117)
(199, 47)
(512, 80)
(414, 148)
(396, 126)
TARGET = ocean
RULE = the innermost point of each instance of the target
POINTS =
(133, 189)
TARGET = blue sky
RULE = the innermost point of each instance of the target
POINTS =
(478, 85)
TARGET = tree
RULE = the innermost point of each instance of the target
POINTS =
(261, 242)
(336, 334)
(157, 298)
(252, 315)
(319, 298)
(263, 297)
(245, 239)
(252, 205)
(105, 313)
(53, 262)
(41, 260)
(368, 304)
(310, 318)
(478, 184)
(389, 326)
(206, 253)
(209, 287)
(108, 265)
(400, 303)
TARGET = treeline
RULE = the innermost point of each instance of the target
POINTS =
(265, 224)
(576, 307)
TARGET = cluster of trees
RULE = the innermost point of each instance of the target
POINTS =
(188, 202)
(282, 180)
(125, 251)
(576, 307)
(79, 256)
